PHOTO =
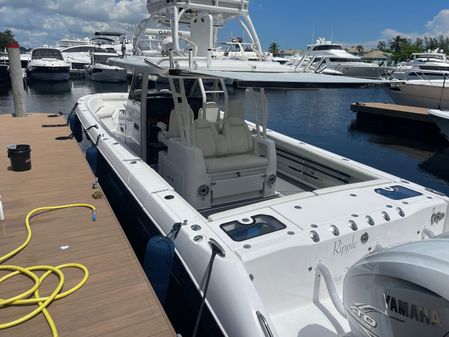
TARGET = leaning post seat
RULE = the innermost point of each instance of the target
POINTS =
(210, 168)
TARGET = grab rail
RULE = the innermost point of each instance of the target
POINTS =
(264, 325)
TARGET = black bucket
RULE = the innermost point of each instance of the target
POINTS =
(20, 156)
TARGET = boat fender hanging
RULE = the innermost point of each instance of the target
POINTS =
(92, 158)
(158, 261)
(75, 126)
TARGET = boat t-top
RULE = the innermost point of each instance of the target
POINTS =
(278, 238)
(325, 56)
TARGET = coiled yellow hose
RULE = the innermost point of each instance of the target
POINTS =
(26, 298)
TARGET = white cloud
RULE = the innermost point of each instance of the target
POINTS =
(48, 21)
(440, 23)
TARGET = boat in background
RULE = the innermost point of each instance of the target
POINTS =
(431, 65)
(48, 64)
(325, 55)
(73, 42)
(79, 56)
(4, 67)
(98, 70)
(441, 118)
(431, 94)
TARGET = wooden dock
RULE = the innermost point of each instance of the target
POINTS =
(117, 300)
(393, 111)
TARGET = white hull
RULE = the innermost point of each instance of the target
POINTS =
(424, 94)
(47, 64)
(362, 71)
(44, 74)
(441, 118)
(273, 274)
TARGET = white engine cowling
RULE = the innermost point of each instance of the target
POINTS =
(401, 291)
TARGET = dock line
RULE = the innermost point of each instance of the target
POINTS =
(41, 302)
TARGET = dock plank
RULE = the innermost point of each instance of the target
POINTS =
(117, 300)
(393, 110)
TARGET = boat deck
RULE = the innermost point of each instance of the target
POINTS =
(117, 300)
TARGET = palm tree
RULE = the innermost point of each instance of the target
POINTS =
(381, 45)
(274, 49)
(397, 43)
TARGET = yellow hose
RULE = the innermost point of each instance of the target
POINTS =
(31, 296)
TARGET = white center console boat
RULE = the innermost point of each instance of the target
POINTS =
(269, 229)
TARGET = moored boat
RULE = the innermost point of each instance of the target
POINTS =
(441, 118)
(259, 219)
(432, 94)
(100, 71)
(48, 64)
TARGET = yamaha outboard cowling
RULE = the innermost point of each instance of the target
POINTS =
(401, 291)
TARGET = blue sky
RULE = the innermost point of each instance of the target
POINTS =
(291, 23)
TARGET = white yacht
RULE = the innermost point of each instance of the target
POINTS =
(79, 56)
(260, 219)
(441, 118)
(73, 42)
(432, 94)
(98, 70)
(325, 55)
(48, 64)
(237, 49)
(431, 65)
(115, 42)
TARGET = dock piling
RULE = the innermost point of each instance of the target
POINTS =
(15, 70)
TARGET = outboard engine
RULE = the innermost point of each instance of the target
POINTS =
(402, 291)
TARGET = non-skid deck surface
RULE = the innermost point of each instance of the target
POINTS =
(393, 110)
(117, 300)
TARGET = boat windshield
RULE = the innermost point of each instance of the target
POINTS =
(328, 47)
(83, 49)
(344, 60)
(47, 53)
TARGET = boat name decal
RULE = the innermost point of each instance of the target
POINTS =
(342, 249)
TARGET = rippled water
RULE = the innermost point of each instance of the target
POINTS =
(319, 117)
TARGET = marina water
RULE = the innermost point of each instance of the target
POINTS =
(319, 117)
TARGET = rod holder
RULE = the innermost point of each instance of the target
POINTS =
(209, 58)
(172, 58)
(190, 59)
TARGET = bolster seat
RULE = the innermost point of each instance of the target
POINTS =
(240, 144)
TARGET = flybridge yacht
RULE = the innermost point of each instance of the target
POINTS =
(48, 64)
(269, 231)
(325, 55)
(431, 65)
